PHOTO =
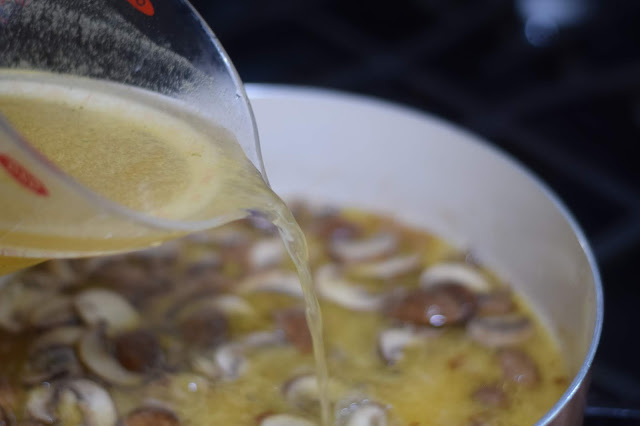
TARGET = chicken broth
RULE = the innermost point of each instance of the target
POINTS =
(210, 329)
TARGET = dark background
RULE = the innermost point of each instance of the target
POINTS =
(554, 82)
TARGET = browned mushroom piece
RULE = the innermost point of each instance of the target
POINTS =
(58, 310)
(518, 367)
(205, 328)
(331, 284)
(496, 303)
(491, 396)
(134, 281)
(101, 306)
(151, 416)
(331, 225)
(272, 281)
(301, 392)
(294, 323)
(50, 363)
(96, 355)
(138, 351)
(392, 341)
(17, 300)
(387, 268)
(458, 273)
(500, 330)
(439, 305)
(54, 274)
(52, 404)
(348, 250)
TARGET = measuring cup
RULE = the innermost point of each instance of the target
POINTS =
(162, 46)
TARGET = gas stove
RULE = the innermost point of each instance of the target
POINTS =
(556, 83)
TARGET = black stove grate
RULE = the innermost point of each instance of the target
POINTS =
(555, 83)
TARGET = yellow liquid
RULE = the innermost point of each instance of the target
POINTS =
(431, 385)
(143, 151)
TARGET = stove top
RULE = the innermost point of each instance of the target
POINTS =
(556, 83)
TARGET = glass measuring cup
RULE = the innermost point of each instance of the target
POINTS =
(163, 47)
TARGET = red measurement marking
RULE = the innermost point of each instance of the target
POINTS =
(143, 6)
(23, 176)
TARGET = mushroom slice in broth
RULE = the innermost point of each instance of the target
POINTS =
(102, 306)
(53, 403)
(387, 269)
(458, 273)
(332, 285)
(94, 353)
(349, 250)
(500, 331)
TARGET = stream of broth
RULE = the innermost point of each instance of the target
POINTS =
(145, 152)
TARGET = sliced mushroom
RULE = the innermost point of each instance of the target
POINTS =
(93, 352)
(365, 413)
(274, 281)
(53, 275)
(518, 367)
(285, 420)
(328, 224)
(70, 398)
(151, 416)
(50, 363)
(262, 339)
(266, 253)
(387, 268)
(490, 396)
(302, 392)
(205, 328)
(17, 300)
(40, 404)
(97, 306)
(228, 361)
(458, 273)
(57, 311)
(349, 250)
(496, 303)
(500, 331)
(440, 305)
(60, 336)
(133, 281)
(138, 351)
(94, 402)
(64, 271)
(392, 341)
(294, 323)
(331, 285)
